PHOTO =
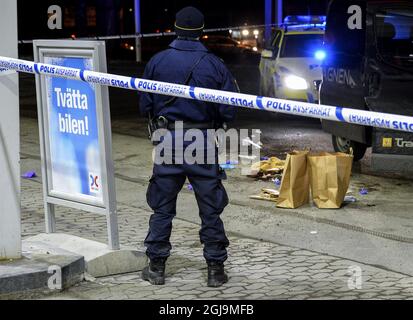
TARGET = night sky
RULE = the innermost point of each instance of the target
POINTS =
(156, 15)
(229, 12)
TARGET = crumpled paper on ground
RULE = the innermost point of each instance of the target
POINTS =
(268, 168)
(267, 195)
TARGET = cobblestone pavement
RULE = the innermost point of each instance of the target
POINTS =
(257, 270)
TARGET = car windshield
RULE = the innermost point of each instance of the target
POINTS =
(301, 45)
(394, 33)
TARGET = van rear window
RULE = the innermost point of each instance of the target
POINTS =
(394, 34)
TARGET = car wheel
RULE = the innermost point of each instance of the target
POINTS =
(344, 145)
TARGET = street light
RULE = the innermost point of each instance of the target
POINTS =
(138, 41)
(269, 15)
(268, 19)
(278, 12)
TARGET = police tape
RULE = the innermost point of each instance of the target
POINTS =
(160, 34)
(339, 114)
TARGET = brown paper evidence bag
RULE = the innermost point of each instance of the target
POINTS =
(327, 174)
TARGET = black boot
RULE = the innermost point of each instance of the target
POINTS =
(155, 272)
(216, 275)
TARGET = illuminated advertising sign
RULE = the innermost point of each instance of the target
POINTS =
(75, 131)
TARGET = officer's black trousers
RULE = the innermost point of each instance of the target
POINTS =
(165, 185)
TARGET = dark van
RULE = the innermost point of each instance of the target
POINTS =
(369, 66)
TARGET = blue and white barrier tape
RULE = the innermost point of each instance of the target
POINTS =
(353, 116)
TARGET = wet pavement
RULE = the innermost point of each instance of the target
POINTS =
(359, 252)
(275, 254)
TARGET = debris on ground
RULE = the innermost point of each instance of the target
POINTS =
(29, 175)
(267, 195)
(190, 187)
(350, 199)
(229, 165)
(364, 192)
(250, 158)
(248, 141)
(277, 182)
(89, 278)
(267, 169)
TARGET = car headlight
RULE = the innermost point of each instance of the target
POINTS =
(295, 83)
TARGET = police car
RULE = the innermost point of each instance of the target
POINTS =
(290, 66)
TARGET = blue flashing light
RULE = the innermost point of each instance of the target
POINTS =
(300, 27)
(294, 20)
(320, 55)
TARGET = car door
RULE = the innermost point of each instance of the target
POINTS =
(268, 65)
(389, 72)
(343, 70)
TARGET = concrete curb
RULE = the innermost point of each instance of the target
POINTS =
(99, 260)
(39, 271)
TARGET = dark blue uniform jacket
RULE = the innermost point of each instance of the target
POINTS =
(173, 65)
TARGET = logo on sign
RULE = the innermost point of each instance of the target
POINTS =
(387, 143)
(401, 143)
(340, 76)
(94, 183)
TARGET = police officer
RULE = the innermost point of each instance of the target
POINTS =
(187, 62)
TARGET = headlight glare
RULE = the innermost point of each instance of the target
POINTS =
(295, 83)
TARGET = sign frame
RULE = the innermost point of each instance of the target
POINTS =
(94, 50)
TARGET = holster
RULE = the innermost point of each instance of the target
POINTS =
(156, 124)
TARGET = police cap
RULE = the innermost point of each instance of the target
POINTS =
(189, 23)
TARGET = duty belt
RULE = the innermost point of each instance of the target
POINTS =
(163, 123)
(190, 125)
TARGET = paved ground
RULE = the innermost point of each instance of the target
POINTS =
(258, 270)
(277, 254)
(274, 254)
